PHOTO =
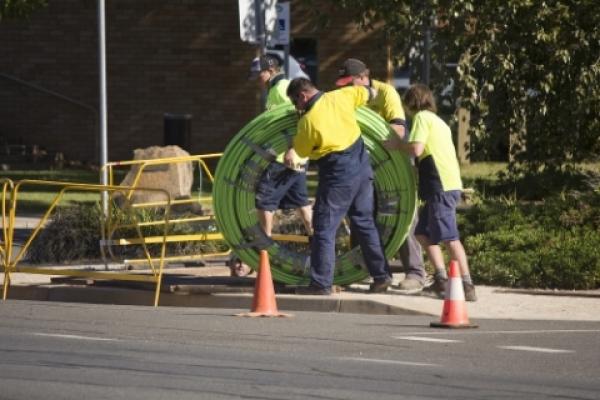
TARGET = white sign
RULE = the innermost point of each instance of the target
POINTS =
(247, 16)
(280, 32)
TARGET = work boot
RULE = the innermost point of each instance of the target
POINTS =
(470, 294)
(411, 285)
(237, 268)
(380, 286)
(312, 290)
(438, 286)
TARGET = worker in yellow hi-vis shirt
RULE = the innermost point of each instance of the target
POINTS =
(283, 184)
(388, 105)
(328, 133)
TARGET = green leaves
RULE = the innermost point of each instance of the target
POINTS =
(19, 8)
(550, 244)
(529, 71)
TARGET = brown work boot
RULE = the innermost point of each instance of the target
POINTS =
(380, 286)
(312, 290)
(438, 287)
(410, 285)
(470, 294)
(237, 268)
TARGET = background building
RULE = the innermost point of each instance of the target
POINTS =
(179, 57)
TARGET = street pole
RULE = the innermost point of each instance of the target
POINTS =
(102, 101)
(286, 61)
(259, 18)
(259, 12)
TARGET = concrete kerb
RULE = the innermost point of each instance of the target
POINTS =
(129, 296)
(494, 303)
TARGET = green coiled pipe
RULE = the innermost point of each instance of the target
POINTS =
(249, 153)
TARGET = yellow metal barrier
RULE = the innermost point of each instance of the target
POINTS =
(219, 247)
(11, 264)
(116, 231)
(5, 242)
(204, 169)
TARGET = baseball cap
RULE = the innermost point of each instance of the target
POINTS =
(349, 69)
(263, 63)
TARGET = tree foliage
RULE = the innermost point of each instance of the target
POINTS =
(19, 8)
(528, 70)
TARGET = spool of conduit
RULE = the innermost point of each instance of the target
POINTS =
(251, 151)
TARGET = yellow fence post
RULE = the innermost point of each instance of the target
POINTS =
(7, 233)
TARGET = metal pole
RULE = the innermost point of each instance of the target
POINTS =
(286, 50)
(102, 101)
(259, 12)
(261, 49)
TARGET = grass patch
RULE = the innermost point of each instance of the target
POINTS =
(69, 175)
(482, 170)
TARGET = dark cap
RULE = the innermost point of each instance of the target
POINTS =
(350, 68)
(263, 63)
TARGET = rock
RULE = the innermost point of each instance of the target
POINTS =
(176, 178)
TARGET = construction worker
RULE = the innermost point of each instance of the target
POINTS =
(283, 184)
(440, 186)
(388, 105)
(328, 133)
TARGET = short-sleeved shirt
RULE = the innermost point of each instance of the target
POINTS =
(438, 166)
(387, 103)
(277, 92)
(330, 123)
(277, 96)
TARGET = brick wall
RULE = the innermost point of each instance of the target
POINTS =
(180, 56)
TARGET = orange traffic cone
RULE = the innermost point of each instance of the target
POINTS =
(454, 314)
(264, 304)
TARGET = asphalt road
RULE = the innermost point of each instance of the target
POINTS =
(79, 351)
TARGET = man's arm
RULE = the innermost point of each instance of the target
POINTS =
(413, 149)
(398, 129)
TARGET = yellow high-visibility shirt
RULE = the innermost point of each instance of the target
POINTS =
(439, 170)
(277, 96)
(387, 103)
(330, 124)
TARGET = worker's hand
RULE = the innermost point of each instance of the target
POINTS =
(289, 158)
(393, 143)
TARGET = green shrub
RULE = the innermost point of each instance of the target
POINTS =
(549, 244)
(74, 235)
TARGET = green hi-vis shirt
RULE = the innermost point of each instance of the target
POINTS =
(438, 166)
(330, 124)
(277, 96)
(387, 103)
(277, 92)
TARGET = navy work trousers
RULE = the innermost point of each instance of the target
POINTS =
(345, 188)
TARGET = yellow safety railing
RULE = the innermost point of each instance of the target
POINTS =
(11, 263)
(5, 242)
(219, 247)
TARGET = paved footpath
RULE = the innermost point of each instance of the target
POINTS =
(493, 303)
